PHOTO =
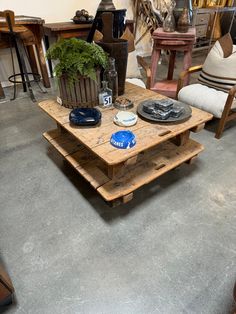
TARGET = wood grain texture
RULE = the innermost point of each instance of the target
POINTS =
(148, 135)
(117, 173)
(148, 166)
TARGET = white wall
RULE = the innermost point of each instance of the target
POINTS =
(58, 11)
(54, 11)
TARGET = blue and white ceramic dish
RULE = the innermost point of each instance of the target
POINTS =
(85, 116)
(123, 139)
(125, 118)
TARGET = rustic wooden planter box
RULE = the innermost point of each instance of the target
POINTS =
(83, 93)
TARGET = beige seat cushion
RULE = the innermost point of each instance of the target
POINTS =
(205, 98)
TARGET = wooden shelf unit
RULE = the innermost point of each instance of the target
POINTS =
(205, 20)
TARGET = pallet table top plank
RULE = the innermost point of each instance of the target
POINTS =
(147, 134)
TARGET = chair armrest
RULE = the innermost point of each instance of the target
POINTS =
(229, 101)
(232, 91)
(184, 74)
(227, 115)
(147, 70)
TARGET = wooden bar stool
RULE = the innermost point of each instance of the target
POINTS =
(171, 42)
(17, 35)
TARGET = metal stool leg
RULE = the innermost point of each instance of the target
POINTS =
(19, 59)
(25, 73)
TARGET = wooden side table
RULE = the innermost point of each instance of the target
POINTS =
(64, 30)
(172, 42)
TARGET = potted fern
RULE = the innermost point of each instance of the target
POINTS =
(78, 71)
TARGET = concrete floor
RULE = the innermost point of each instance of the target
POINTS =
(171, 250)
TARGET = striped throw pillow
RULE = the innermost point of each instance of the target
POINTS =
(219, 68)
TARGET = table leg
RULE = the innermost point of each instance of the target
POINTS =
(156, 53)
(182, 138)
(171, 65)
(191, 160)
(61, 129)
(46, 41)
(198, 128)
(122, 200)
(42, 64)
(38, 32)
(187, 63)
(119, 169)
(113, 171)
(32, 59)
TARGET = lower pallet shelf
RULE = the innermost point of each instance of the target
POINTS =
(150, 164)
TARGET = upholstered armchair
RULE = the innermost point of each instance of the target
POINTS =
(216, 90)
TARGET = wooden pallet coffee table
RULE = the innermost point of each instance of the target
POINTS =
(117, 173)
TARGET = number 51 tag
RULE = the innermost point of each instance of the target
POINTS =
(107, 100)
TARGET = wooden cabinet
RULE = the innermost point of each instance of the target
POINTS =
(206, 21)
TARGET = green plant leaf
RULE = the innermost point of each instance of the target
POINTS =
(76, 56)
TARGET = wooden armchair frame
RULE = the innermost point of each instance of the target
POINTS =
(227, 114)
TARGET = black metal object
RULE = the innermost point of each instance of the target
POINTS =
(118, 23)
(116, 48)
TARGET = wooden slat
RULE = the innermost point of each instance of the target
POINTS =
(148, 134)
(154, 164)
(65, 144)
(86, 163)
(147, 166)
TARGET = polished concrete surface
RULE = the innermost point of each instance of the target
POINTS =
(170, 250)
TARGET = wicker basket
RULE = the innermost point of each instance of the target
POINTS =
(83, 93)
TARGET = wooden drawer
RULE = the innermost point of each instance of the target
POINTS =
(202, 19)
(201, 31)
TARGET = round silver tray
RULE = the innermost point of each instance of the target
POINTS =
(184, 116)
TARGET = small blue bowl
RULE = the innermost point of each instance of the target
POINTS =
(85, 116)
(123, 139)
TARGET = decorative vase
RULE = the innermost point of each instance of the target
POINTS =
(106, 5)
(169, 21)
(183, 21)
(82, 93)
(180, 4)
